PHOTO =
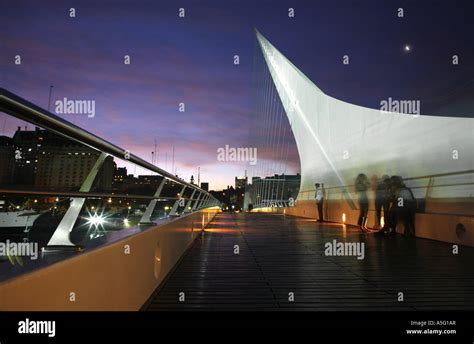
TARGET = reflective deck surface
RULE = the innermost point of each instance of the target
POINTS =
(281, 255)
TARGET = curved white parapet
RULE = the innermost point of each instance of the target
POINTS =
(336, 140)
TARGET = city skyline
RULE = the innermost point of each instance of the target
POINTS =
(34, 157)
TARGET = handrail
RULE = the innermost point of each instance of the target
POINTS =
(405, 179)
(85, 194)
(20, 108)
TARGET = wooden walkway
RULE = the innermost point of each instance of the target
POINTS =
(280, 257)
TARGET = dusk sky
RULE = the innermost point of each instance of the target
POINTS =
(190, 60)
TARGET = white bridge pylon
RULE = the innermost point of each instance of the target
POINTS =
(337, 140)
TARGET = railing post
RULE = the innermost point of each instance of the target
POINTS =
(202, 202)
(176, 203)
(188, 205)
(146, 217)
(206, 204)
(197, 201)
(208, 200)
(60, 238)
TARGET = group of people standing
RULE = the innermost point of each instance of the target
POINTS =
(392, 196)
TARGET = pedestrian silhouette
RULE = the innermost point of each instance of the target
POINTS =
(319, 196)
(406, 208)
(361, 186)
(391, 217)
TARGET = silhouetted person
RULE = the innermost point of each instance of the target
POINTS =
(361, 186)
(391, 219)
(319, 196)
(382, 201)
(406, 208)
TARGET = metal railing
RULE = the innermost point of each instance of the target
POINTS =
(22, 109)
(424, 187)
(271, 193)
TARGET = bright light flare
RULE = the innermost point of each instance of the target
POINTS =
(96, 220)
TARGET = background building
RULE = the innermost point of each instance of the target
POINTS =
(240, 182)
(205, 186)
(7, 160)
(27, 144)
(66, 168)
(50, 161)
(120, 175)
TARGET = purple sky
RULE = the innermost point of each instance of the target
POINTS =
(190, 60)
(172, 60)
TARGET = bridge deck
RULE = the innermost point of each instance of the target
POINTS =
(281, 255)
